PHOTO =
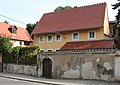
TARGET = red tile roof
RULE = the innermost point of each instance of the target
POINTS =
(86, 17)
(22, 33)
(93, 44)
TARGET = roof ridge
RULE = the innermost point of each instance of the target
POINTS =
(93, 4)
(76, 8)
(12, 25)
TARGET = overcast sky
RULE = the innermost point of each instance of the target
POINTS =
(30, 11)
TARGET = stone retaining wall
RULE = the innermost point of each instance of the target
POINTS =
(20, 69)
(81, 66)
(99, 66)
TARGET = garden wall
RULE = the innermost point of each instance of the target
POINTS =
(98, 65)
(20, 69)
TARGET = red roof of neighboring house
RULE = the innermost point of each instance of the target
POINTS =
(86, 17)
(89, 44)
(22, 33)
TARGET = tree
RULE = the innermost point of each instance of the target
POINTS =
(30, 27)
(117, 25)
(115, 6)
(59, 8)
(5, 48)
(6, 22)
(5, 45)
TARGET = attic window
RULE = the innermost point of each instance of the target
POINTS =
(13, 29)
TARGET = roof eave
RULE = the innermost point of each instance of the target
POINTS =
(67, 30)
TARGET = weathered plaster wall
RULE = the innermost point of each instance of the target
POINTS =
(20, 69)
(101, 66)
(81, 66)
(117, 68)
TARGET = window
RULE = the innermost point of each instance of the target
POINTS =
(49, 38)
(91, 35)
(57, 49)
(41, 39)
(49, 50)
(14, 31)
(20, 43)
(58, 38)
(42, 50)
(75, 36)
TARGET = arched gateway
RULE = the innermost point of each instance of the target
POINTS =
(47, 68)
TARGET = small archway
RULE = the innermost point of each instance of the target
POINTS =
(47, 68)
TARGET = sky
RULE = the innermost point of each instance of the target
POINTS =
(30, 11)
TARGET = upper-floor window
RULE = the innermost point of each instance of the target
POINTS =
(13, 29)
(75, 36)
(41, 39)
(20, 43)
(49, 38)
(92, 35)
(58, 37)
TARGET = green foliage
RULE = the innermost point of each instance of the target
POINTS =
(115, 6)
(23, 55)
(5, 46)
(6, 22)
(30, 27)
(59, 8)
(18, 55)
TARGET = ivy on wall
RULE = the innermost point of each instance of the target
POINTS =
(23, 55)
(18, 55)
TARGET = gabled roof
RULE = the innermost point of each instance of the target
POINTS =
(93, 44)
(22, 33)
(86, 17)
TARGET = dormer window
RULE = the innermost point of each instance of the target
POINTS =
(13, 29)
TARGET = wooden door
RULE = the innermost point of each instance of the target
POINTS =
(47, 68)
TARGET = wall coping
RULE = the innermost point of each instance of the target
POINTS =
(83, 51)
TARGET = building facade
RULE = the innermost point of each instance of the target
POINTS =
(19, 36)
(85, 23)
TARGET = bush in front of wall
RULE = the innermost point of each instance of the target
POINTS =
(23, 55)
(18, 55)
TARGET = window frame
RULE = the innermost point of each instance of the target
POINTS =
(43, 39)
(73, 36)
(51, 39)
(89, 35)
(56, 38)
(49, 51)
(42, 50)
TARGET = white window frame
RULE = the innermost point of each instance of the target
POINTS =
(42, 49)
(89, 35)
(43, 39)
(49, 49)
(51, 39)
(73, 36)
(56, 38)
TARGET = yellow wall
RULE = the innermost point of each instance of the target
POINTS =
(67, 36)
(106, 22)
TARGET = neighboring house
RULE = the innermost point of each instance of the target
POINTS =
(19, 36)
(113, 29)
(88, 24)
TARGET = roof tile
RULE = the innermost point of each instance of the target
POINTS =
(22, 33)
(86, 17)
(93, 44)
